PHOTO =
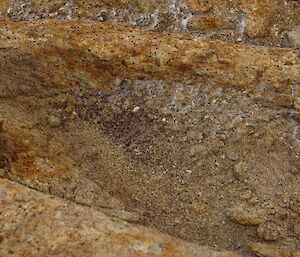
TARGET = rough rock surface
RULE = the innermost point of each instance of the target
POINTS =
(262, 22)
(90, 54)
(121, 107)
(73, 230)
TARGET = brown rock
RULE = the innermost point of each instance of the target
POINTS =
(61, 52)
(296, 116)
(297, 229)
(273, 250)
(297, 103)
(197, 149)
(285, 101)
(268, 231)
(294, 37)
(246, 215)
(208, 23)
(240, 171)
(31, 223)
(54, 121)
(200, 6)
(258, 16)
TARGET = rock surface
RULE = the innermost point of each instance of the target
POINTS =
(122, 109)
(77, 53)
(73, 230)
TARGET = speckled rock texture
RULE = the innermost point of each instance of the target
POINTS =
(35, 224)
(258, 22)
(182, 116)
(90, 54)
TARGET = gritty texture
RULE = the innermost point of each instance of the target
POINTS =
(72, 230)
(119, 108)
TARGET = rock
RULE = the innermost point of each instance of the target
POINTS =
(296, 116)
(273, 250)
(54, 121)
(246, 195)
(294, 37)
(208, 23)
(268, 231)
(297, 229)
(180, 96)
(191, 54)
(136, 109)
(246, 215)
(32, 222)
(200, 6)
(196, 135)
(236, 121)
(197, 149)
(258, 17)
(232, 154)
(285, 101)
(240, 171)
(297, 103)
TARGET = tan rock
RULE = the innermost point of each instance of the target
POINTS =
(273, 250)
(32, 223)
(54, 121)
(258, 16)
(268, 231)
(285, 101)
(294, 37)
(77, 53)
(197, 149)
(208, 23)
(246, 215)
(297, 103)
(297, 229)
(200, 6)
(45, 170)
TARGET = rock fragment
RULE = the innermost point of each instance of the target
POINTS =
(246, 215)
(54, 121)
(258, 17)
(200, 6)
(32, 222)
(208, 23)
(273, 250)
(268, 231)
(294, 37)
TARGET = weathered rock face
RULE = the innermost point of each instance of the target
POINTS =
(193, 136)
(73, 230)
(91, 55)
(252, 21)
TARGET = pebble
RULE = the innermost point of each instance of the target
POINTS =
(192, 134)
(240, 171)
(232, 155)
(197, 149)
(236, 121)
(136, 109)
(297, 103)
(297, 230)
(200, 6)
(246, 195)
(294, 37)
(284, 101)
(180, 96)
(246, 215)
(117, 81)
(268, 231)
(54, 121)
